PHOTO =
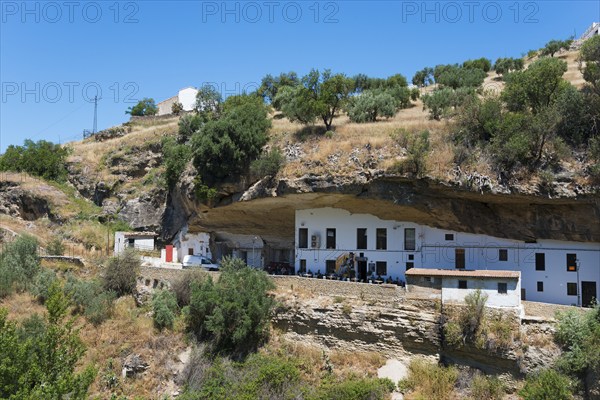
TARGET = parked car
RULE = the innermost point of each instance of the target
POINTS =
(200, 262)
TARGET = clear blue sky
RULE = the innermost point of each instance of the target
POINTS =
(55, 55)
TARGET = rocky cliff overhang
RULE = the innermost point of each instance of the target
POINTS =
(268, 208)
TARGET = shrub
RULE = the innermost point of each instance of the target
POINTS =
(438, 102)
(90, 299)
(474, 312)
(41, 284)
(176, 108)
(175, 158)
(430, 380)
(19, 263)
(188, 125)
(182, 286)
(356, 389)
(234, 312)
(547, 385)
(268, 164)
(55, 247)
(164, 306)
(121, 273)
(41, 158)
(487, 388)
(417, 147)
(146, 106)
(372, 104)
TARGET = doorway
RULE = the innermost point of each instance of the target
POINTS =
(588, 293)
(362, 270)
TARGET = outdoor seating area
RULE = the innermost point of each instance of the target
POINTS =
(372, 279)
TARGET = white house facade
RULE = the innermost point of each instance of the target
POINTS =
(552, 271)
(136, 240)
(187, 98)
(197, 243)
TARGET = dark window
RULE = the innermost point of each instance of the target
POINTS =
(191, 251)
(302, 266)
(502, 288)
(411, 257)
(462, 284)
(303, 238)
(571, 289)
(449, 236)
(330, 266)
(540, 261)
(361, 238)
(540, 286)
(571, 262)
(330, 238)
(410, 265)
(409, 239)
(381, 239)
(503, 255)
(381, 267)
(459, 258)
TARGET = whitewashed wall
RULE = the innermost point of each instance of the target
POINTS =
(199, 242)
(434, 251)
(187, 97)
(141, 243)
(512, 298)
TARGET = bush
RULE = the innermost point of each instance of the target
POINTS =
(429, 380)
(41, 158)
(356, 389)
(41, 284)
(121, 273)
(188, 125)
(547, 385)
(55, 247)
(438, 102)
(90, 299)
(268, 164)
(182, 286)
(146, 106)
(19, 263)
(164, 307)
(372, 104)
(176, 108)
(487, 388)
(175, 158)
(234, 312)
(417, 147)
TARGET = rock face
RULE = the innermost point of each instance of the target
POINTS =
(145, 212)
(24, 204)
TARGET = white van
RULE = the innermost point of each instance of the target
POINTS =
(200, 262)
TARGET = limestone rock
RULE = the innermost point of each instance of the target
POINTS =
(133, 365)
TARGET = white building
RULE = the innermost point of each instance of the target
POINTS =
(552, 271)
(187, 98)
(187, 243)
(137, 240)
(593, 30)
(502, 288)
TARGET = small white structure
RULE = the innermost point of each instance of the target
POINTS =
(187, 98)
(136, 240)
(193, 244)
(246, 247)
(503, 288)
(593, 30)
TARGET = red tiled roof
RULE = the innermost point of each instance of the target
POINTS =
(477, 273)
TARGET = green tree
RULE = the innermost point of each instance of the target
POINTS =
(589, 57)
(372, 104)
(268, 164)
(187, 126)
(423, 77)
(177, 108)
(19, 263)
(547, 385)
(175, 158)
(226, 147)
(270, 86)
(480, 63)
(535, 88)
(121, 273)
(164, 309)
(506, 65)
(146, 106)
(554, 46)
(208, 103)
(43, 365)
(41, 158)
(235, 311)
(455, 77)
(320, 96)
(438, 102)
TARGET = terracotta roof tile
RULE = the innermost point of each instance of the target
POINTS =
(477, 273)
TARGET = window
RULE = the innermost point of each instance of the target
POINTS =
(449, 236)
(462, 284)
(502, 255)
(302, 266)
(329, 266)
(411, 257)
(502, 288)
(571, 289)
(190, 251)
(540, 286)
(540, 261)
(361, 238)
(381, 267)
(303, 238)
(409, 239)
(410, 265)
(330, 238)
(381, 239)
(572, 262)
(459, 258)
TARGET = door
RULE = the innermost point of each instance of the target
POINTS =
(459, 258)
(588, 293)
(523, 294)
(362, 270)
(190, 251)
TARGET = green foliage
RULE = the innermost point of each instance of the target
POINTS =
(188, 125)
(203, 192)
(19, 263)
(423, 77)
(90, 299)
(41, 158)
(235, 311)
(480, 63)
(455, 77)
(270, 86)
(42, 282)
(575, 122)
(175, 158)
(590, 55)
(438, 102)
(268, 164)
(579, 336)
(535, 88)
(507, 65)
(487, 388)
(121, 273)
(320, 96)
(146, 106)
(164, 309)
(182, 286)
(176, 108)
(55, 247)
(356, 389)
(417, 148)
(43, 365)
(208, 103)
(430, 381)
(225, 147)
(464, 324)
(554, 46)
(547, 385)
(478, 120)
(372, 104)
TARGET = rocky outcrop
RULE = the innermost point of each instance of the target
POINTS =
(146, 211)
(16, 201)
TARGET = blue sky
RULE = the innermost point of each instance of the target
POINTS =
(55, 56)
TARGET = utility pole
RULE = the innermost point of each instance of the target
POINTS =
(94, 130)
